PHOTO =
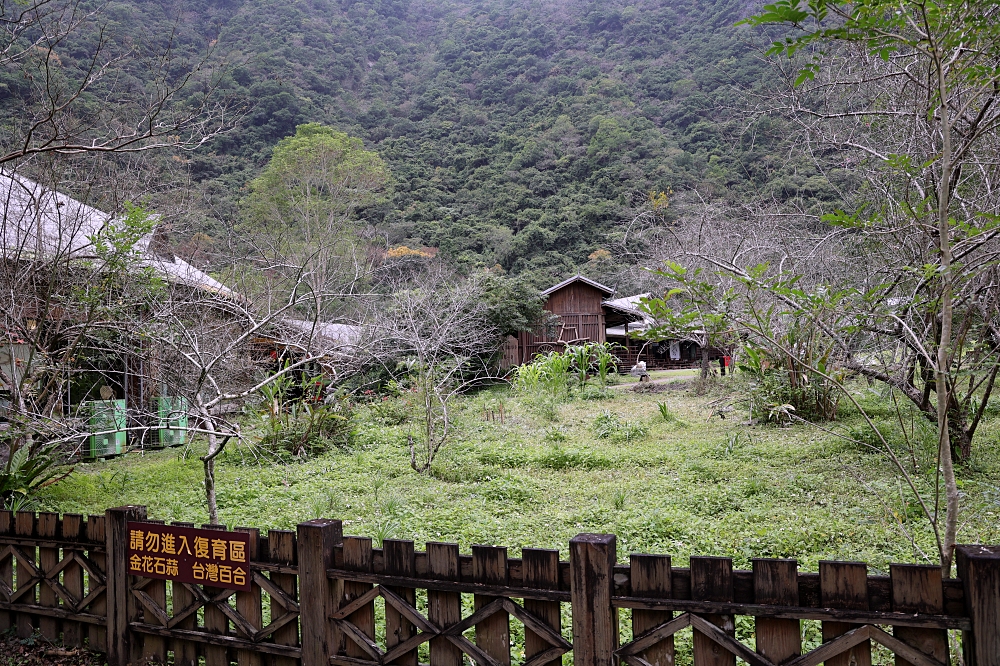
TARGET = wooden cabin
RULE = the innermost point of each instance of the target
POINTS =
(577, 315)
(580, 310)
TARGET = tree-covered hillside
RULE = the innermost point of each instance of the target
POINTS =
(517, 132)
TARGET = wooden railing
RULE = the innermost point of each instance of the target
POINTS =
(53, 577)
(321, 598)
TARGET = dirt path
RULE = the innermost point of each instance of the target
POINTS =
(661, 377)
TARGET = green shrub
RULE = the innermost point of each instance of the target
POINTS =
(704, 472)
(863, 435)
(547, 372)
(390, 411)
(554, 371)
(610, 426)
(668, 416)
(597, 393)
(505, 456)
(451, 471)
(304, 417)
(28, 470)
(619, 497)
(560, 458)
(386, 527)
(775, 387)
(555, 435)
(508, 489)
(754, 486)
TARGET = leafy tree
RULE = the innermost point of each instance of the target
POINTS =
(513, 304)
(301, 209)
(917, 114)
(696, 310)
(314, 182)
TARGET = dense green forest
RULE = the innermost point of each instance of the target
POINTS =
(517, 132)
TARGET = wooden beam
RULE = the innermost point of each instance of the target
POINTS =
(595, 621)
(221, 640)
(122, 608)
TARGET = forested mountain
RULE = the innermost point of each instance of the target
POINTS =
(518, 132)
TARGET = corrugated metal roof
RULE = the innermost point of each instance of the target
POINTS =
(39, 222)
(176, 270)
(339, 334)
(629, 304)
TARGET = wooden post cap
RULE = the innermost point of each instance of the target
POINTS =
(320, 522)
(978, 551)
(979, 569)
(594, 538)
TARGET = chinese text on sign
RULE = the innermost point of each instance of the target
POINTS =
(188, 555)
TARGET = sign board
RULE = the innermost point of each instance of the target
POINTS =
(188, 555)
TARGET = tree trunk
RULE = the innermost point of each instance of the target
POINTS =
(213, 508)
(944, 351)
(958, 426)
(214, 449)
(705, 363)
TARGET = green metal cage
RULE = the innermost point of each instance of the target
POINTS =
(172, 415)
(106, 419)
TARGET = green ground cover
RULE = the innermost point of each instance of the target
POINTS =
(695, 484)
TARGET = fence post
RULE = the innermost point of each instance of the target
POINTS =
(592, 559)
(318, 595)
(979, 569)
(121, 604)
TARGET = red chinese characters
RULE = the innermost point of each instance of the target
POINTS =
(188, 555)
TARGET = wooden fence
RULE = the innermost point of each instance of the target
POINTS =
(316, 595)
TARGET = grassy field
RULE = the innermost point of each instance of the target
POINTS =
(607, 462)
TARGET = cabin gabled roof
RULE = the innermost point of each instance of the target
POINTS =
(579, 278)
(40, 222)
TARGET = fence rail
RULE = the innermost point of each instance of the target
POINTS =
(316, 595)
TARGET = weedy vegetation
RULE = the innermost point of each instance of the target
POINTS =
(716, 487)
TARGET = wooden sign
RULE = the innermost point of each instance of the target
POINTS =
(188, 555)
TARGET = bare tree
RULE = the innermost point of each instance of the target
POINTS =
(101, 107)
(291, 290)
(219, 349)
(435, 331)
(901, 285)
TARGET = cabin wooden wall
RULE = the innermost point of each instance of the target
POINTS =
(581, 318)
(576, 298)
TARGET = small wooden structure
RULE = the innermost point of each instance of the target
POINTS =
(580, 310)
(577, 315)
(625, 320)
(47, 244)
